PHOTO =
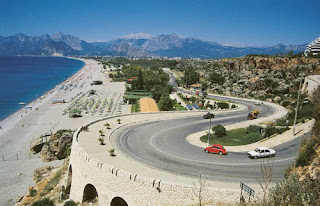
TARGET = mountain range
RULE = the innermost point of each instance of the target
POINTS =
(134, 45)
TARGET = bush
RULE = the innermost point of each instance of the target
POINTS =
(43, 202)
(233, 106)
(70, 203)
(223, 105)
(292, 192)
(270, 130)
(253, 129)
(219, 130)
(33, 192)
(286, 103)
(306, 152)
(253, 137)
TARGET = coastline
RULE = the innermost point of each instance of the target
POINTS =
(7, 123)
(16, 162)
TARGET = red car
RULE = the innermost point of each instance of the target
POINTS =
(216, 148)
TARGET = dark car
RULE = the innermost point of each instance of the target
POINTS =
(207, 116)
(216, 148)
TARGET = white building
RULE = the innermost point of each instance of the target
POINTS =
(313, 47)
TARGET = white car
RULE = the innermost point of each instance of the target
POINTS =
(261, 152)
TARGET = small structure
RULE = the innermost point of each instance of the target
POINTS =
(55, 101)
(75, 113)
(130, 97)
(129, 81)
(96, 82)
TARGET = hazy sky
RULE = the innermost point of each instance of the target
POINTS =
(254, 22)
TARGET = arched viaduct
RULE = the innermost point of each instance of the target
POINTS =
(90, 177)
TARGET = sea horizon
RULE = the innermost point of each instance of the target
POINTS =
(26, 78)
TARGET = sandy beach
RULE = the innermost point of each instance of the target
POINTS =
(19, 129)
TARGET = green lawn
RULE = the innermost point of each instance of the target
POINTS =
(179, 107)
(233, 138)
(135, 106)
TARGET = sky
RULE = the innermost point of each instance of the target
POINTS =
(244, 22)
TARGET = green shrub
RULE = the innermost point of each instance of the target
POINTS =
(223, 105)
(70, 203)
(306, 152)
(288, 171)
(193, 99)
(292, 192)
(285, 103)
(253, 129)
(253, 137)
(33, 192)
(43, 202)
(219, 130)
(233, 106)
(69, 151)
(270, 130)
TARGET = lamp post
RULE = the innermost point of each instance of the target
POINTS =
(209, 128)
(296, 114)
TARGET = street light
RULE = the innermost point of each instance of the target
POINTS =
(296, 114)
(209, 128)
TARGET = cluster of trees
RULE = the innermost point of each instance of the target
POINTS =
(152, 80)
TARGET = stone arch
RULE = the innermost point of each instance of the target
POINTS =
(69, 181)
(118, 201)
(89, 193)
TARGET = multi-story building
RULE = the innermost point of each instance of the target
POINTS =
(313, 48)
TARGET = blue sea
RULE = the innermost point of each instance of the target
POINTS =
(24, 79)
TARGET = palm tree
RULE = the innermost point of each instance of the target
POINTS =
(107, 125)
(119, 121)
(101, 140)
(101, 132)
(111, 152)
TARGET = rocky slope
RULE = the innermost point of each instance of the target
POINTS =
(254, 76)
(58, 147)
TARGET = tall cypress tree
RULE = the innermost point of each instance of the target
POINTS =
(140, 79)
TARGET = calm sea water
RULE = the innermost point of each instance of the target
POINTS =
(23, 79)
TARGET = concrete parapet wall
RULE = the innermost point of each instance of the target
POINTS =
(311, 83)
(111, 182)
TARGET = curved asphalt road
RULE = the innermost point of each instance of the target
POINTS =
(163, 145)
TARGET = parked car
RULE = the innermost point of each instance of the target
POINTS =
(207, 116)
(261, 152)
(216, 148)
